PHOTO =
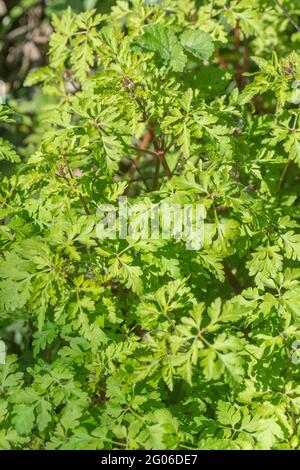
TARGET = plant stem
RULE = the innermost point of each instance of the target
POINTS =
(283, 175)
(141, 175)
(156, 176)
(160, 153)
(287, 15)
(141, 148)
(233, 280)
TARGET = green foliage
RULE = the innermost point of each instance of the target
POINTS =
(142, 344)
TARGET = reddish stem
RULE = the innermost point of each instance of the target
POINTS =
(142, 147)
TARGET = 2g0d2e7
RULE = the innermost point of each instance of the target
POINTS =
(171, 459)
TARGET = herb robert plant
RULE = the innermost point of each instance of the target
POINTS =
(141, 344)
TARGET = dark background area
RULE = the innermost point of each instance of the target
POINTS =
(25, 27)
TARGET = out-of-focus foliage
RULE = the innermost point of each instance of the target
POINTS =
(25, 27)
(141, 344)
(24, 33)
